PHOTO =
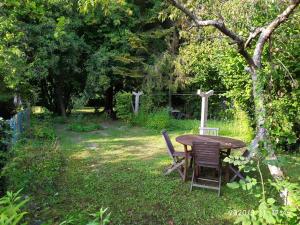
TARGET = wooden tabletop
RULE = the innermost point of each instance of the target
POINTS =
(225, 142)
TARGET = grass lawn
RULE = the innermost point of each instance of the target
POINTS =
(120, 167)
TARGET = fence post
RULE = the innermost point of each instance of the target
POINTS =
(13, 124)
(19, 123)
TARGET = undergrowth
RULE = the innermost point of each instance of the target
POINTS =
(80, 124)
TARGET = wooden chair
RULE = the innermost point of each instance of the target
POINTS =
(237, 173)
(214, 132)
(177, 157)
(206, 155)
(209, 131)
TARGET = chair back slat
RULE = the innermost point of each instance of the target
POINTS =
(170, 147)
(206, 153)
(209, 131)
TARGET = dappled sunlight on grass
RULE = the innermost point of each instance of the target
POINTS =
(123, 170)
(84, 110)
(81, 155)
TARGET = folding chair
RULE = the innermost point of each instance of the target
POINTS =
(206, 155)
(235, 169)
(177, 157)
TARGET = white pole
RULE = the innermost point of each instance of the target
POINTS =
(204, 108)
(137, 101)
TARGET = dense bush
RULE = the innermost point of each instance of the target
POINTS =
(269, 209)
(140, 119)
(149, 115)
(5, 134)
(159, 120)
(147, 103)
(284, 122)
(83, 127)
(80, 124)
(124, 105)
(42, 128)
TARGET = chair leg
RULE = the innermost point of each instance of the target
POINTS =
(220, 181)
(180, 171)
(175, 166)
(192, 182)
(191, 162)
(233, 178)
(237, 174)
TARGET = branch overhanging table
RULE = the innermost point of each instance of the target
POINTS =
(225, 144)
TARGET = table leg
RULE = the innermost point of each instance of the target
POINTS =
(186, 163)
(227, 168)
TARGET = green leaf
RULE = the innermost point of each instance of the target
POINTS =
(233, 185)
(271, 201)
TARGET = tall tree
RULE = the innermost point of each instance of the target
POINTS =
(129, 37)
(44, 51)
(200, 15)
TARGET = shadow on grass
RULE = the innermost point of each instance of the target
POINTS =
(123, 171)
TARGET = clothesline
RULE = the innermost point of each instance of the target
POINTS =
(184, 94)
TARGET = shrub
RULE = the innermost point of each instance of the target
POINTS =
(124, 106)
(269, 209)
(5, 134)
(5, 139)
(43, 129)
(84, 127)
(147, 105)
(140, 119)
(60, 120)
(159, 120)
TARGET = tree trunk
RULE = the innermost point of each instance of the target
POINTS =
(60, 100)
(174, 46)
(47, 93)
(255, 64)
(109, 98)
(260, 111)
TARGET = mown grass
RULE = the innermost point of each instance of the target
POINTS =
(121, 167)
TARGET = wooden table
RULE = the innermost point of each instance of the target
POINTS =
(225, 144)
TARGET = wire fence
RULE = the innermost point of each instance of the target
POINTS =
(19, 123)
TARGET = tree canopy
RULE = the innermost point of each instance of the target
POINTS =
(60, 53)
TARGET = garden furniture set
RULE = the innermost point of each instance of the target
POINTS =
(205, 155)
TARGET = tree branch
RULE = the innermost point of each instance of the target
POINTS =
(253, 35)
(268, 30)
(220, 25)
